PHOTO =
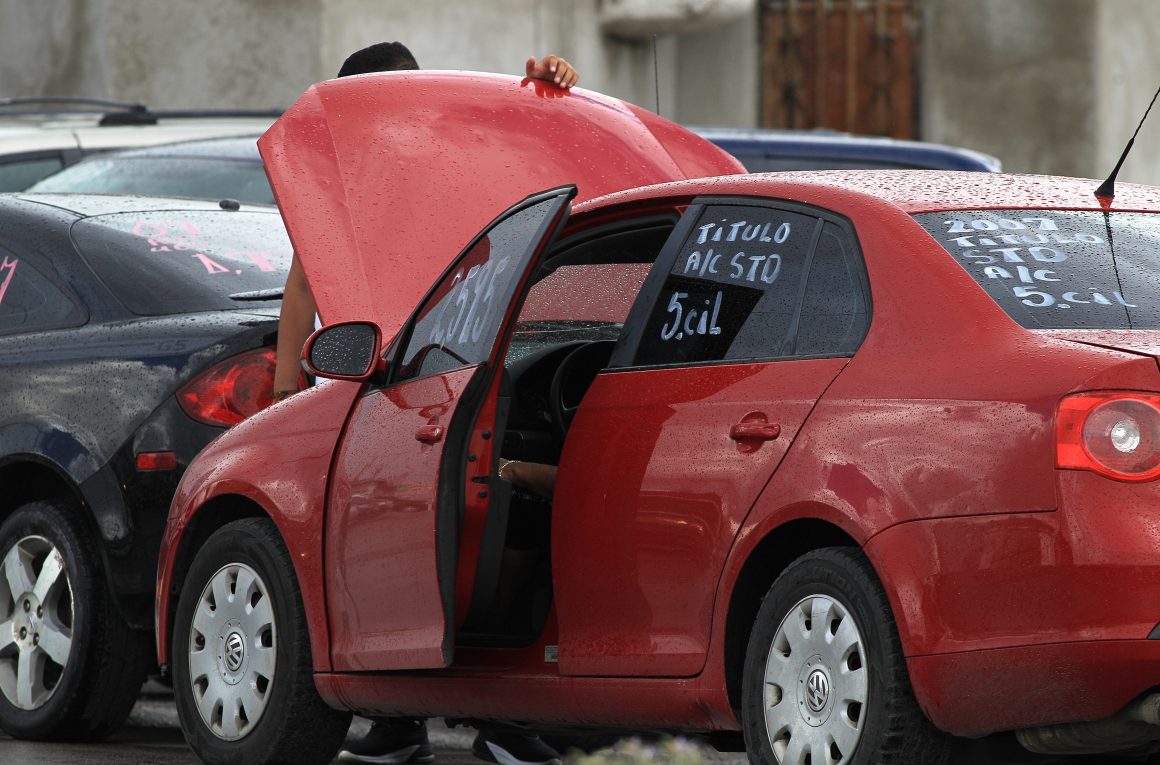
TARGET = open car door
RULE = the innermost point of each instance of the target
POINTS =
(399, 486)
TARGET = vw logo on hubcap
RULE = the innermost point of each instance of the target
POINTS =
(235, 652)
(817, 691)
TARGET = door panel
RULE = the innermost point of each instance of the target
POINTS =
(395, 506)
(383, 586)
(654, 483)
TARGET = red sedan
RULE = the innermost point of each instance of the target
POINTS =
(847, 461)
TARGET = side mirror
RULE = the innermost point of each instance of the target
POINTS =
(346, 351)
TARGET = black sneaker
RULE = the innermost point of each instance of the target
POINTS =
(391, 742)
(507, 746)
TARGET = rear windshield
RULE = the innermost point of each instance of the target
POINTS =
(1059, 269)
(185, 261)
(198, 177)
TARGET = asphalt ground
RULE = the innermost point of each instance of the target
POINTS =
(152, 737)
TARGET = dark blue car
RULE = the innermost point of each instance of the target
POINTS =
(763, 151)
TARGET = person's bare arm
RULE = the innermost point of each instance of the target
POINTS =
(554, 69)
(536, 477)
(295, 324)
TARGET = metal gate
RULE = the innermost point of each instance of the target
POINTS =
(842, 64)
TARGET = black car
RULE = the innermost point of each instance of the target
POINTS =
(132, 332)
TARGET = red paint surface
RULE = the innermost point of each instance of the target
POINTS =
(385, 605)
(677, 489)
(277, 461)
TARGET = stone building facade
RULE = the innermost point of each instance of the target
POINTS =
(1053, 86)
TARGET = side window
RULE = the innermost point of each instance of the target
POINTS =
(29, 301)
(458, 324)
(835, 315)
(733, 291)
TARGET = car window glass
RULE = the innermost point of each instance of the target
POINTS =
(834, 315)
(733, 289)
(459, 323)
(201, 177)
(1055, 269)
(30, 301)
(576, 302)
(185, 261)
(18, 175)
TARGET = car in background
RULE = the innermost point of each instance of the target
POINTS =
(212, 168)
(847, 461)
(763, 151)
(231, 168)
(132, 332)
(41, 135)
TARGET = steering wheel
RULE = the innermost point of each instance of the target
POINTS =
(571, 380)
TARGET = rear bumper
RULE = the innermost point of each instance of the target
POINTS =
(1015, 620)
(978, 692)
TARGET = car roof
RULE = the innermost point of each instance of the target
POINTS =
(909, 191)
(46, 123)
(89, 205)
(820, 149)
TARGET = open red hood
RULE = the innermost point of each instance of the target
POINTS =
(383, 179)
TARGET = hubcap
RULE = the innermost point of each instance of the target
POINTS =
(36, 622)
(232, 651)
(815, 684)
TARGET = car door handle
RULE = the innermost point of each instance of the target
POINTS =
(429, 434)
(755, 431)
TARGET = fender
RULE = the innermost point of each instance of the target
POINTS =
(49, 442)
(247, 464)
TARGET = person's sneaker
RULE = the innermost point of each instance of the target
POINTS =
(513, 747)
(391, 742)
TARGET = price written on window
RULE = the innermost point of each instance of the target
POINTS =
(470, 304)
(7, 270)
(737, 252)
(1025, 253)
(183, 237)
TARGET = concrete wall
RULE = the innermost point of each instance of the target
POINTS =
(166, 53)
(1127, 75)
(264, 53)
(1049, 86)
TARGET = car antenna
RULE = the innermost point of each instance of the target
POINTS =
(1107, 189)
(656, 75)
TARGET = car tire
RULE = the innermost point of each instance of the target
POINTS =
(70, 668)
(825, 679)
(243, 677)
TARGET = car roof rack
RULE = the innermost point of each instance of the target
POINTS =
(118, 112)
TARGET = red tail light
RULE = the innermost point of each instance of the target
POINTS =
(1114, 434)
(229, 392)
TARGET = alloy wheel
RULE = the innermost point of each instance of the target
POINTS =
(232, 651)
(36, 619)
(815, 684)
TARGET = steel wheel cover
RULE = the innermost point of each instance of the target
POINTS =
(815, 684)
(232, 651)
(36, 622)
